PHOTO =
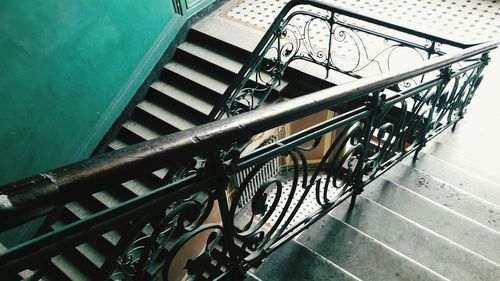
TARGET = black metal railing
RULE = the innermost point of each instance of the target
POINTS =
(395, 114)
(337, 39)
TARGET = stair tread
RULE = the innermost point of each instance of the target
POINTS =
(282, 265)
(223, 30)
(140, 130)
(461, 179)
(106, 198)
(441, 255)
(200, 78)
(78, 209)
(251, 277)
(464, 203)
(472, 134)
(210, 56)
(116, 144)
(223, 61)
(113, 237)
(476, 164)
(69, 269)
(92, 254)
(356, 252)
(184, 97)
(136, 187)
(166, 116)
(458, 228)
(160, 173)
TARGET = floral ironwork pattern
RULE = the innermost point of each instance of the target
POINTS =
(153, 243)
(327, 183)
(333, 41)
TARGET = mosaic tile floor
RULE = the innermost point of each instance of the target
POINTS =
(462, 20)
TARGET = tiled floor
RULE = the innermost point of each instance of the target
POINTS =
(462, 20)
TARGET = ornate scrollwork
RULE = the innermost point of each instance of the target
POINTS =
(273, 212)
(153, 244)
(332, 41)
(397, 129)
(452, 102)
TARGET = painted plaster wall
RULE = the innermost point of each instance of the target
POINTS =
(67, 70)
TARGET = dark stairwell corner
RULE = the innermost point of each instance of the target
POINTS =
(436, 217)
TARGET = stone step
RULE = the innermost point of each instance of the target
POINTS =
(111, 199)
(477, 164)
(92, 254)
(444, 194)
(197, 77)
(216, 58)
(70, 269)
(179, 95)
(124, 139)
(442, 220)
(167, 116)
(428, 248)
(140, 130)
(110, 238)
(223, 30)
(460, 178)
(294, 262)
(360, 254)
(473, 134)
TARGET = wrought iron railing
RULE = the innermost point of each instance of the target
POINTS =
(393, 115)
(336, 39)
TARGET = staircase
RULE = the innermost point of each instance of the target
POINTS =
(183, 97)
(428, 220)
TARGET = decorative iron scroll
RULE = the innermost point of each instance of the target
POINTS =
(404, 125)
(152, 245)
(325, 183)
(329, 39)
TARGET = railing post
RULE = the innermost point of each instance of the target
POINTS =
(485, 60)
(374, 106)
(220, 183)
(445, 75)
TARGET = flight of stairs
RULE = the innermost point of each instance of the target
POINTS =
(189, 87)
(435, 219)
(431, 220)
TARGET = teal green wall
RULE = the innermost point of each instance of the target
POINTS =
(67, 70)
